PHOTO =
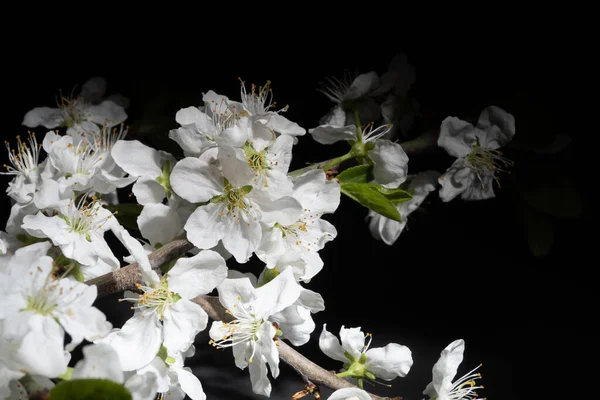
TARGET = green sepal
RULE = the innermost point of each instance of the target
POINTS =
(370, 196)
(67, 375)
(176, 297)
(170, 360)
(28, 239)
(89, 389)
(165, 178)
(278, 333)
(247, 189)
(268, 276)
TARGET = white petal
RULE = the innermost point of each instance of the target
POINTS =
(353, 340)
(285, 210)
(181, 323)
(41, 350)
(242, 238)
(494, 116)
(100, 361)
(196, 181)
(362, 85)
(447, 365)
(190, 384)
(134, 247)
(279, 293)
(330, 345)
(197, 275)
(192, 143)
(316, 193)
(455, 180)
(138, 341)
(142, 386)
(106, 113)
(391, 163)
(188, 116)
(284, 126)
(159, 223)
(296, 323)
(385, 229)
(232, 289)
(328, 134)
(148, 190)
(259, 379)
(205, 227)
(452, 136)
(136, 158)
(389, 362)
(47, 117)
(349, 394)
(312, 301)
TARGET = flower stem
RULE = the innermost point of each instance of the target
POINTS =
(344, 374)
(338, 160)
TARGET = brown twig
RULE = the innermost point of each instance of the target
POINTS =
(126, 278)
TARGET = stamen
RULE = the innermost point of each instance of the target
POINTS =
(25, 159)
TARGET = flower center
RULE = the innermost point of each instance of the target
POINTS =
(464, 388)
(235, 201)
(486, 162)
(25, 160)
(258, 101)
(243, 328)
(257, 160)
(46, 299)
(298, 234)
(106, 139)
(223, 117)
(154, 299)
(71, 110)
(83, 218)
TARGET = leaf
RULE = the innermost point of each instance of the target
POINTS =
(539, 231)
(357, 174)
(89, 389)
(127, 214)
(369, 196)
(395, 195)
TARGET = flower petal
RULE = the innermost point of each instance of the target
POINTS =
(45, 116)
(137, 159)
(137, 342)
(329, 134)
(353, 341)
(196, 181)
(100, 361)
(452, 136)
(147, 190)
(190, 384)
(159, 223)
(181, 323)
(391, 163)
(349, 394)
(197, 275)
(279, 293)
(389, 362)
(330, 345)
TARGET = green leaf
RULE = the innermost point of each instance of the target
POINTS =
(395, 195)
(126, 214)
(368, 195)
(358, 174)
(89, 389)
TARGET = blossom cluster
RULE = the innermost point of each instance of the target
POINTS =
(233, 197)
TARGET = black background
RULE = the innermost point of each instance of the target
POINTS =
(460, 270)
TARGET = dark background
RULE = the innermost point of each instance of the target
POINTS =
(460, 270)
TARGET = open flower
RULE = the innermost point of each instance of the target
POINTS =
(297, 243)
(232, 209)
(476, 148)
(387, 363)
(164, 312)
(37, 309)
(444, 371)
(251, 333)
(80, 115)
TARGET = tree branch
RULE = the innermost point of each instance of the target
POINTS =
(126, 278)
